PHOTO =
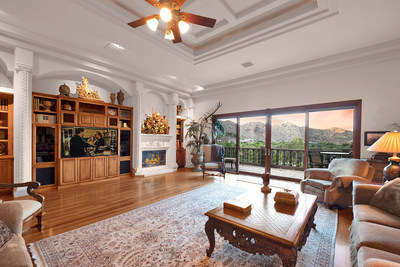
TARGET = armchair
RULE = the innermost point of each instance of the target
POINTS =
(333, 185)
(213, 160)
(31, 208)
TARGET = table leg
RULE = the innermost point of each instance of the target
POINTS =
(211, 237)
(289, 258)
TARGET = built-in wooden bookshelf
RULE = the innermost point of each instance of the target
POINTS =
(54, 125)
(6, 139)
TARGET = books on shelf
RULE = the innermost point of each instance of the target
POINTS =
(3, 104)
(237, 205)
(36, 103)
(44, 118)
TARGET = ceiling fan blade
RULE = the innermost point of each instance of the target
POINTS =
(154, 3)
(199, 20)
(178, 3)
(140, 22)
(177, 34)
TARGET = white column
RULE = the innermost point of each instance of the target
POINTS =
(190, 114)
(23, 116)
(138, 89)
(171, 153)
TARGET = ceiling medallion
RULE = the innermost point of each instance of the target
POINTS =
(177, 21)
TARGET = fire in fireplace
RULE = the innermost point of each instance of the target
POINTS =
(153, 158)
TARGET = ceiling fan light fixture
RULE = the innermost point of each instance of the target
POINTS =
(153, 24)
(165, 14)
(169, 35)
(183, 27)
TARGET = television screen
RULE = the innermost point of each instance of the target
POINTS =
(88, 142)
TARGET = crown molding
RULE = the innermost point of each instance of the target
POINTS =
(12, 36)
(370, 54)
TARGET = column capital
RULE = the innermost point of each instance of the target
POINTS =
(23, 67)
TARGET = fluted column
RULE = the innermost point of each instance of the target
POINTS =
(172, 104)
(23, 116)
(139, 91)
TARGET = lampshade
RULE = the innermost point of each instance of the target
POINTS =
(153, 24)
(183, 27)
(169, 35)
(389, 143)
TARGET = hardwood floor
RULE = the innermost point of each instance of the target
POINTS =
(73, 207)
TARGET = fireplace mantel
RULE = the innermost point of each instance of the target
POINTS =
(150, 142)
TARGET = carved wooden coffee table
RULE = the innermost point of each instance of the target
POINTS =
(269, 228)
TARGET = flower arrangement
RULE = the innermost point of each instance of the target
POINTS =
(155, 124)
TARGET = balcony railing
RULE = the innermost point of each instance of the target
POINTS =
(280, 158)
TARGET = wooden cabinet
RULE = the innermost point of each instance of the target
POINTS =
(112, 167)
(6, 139)
(181, 157)
(68, 171)
(99, 120)
(84, 169)
(56, 118)
(99, 168)
(85, 119)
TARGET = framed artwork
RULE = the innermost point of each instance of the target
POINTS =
(372, 137)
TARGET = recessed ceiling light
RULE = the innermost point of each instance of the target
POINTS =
(172, 76)
(247, 64)
(115, 47)
(199, 88)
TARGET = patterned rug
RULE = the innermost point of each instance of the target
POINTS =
(171, 233)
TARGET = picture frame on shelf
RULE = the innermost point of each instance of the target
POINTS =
(371, 137)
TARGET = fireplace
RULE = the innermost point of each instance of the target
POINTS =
(153, 158)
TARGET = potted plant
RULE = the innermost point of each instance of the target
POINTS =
(196, 134)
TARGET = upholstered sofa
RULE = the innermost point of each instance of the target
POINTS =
(14, 252)
(333, 185)
(375, 233)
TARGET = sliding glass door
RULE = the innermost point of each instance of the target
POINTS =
(287, 145)
(283, 142)
(229, 141)
(252, 144)
(330, 136)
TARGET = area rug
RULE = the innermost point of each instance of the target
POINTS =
(171, 233)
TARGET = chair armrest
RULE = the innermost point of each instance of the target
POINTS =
(30, 187)
(317, 173)
(346, 181)
(363, 193)
(11, 215)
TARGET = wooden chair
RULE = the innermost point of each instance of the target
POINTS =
(31, 208)
(213, 161)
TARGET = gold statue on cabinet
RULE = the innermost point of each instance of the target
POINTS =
(83, 90)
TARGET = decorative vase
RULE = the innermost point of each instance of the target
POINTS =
(66, 106)
(64, 90)
(120, 97)
(46, 105)
(112, 98)
(197, 159)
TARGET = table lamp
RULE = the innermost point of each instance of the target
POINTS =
(389, 143)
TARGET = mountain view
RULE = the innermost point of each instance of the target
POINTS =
(285, 134)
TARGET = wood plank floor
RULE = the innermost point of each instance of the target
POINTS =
(73, 207)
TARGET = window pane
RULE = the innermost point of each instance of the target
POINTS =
(330, 135)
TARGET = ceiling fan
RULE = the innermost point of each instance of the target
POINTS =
(177, 21)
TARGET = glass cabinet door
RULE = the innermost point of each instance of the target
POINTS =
(45, 144)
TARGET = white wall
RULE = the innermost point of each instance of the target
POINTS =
(377, 84)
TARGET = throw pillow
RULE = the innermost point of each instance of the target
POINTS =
(5, 233)
(387, 197)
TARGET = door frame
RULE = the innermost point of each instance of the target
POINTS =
(355, 104)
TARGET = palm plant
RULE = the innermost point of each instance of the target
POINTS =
(197, 130)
